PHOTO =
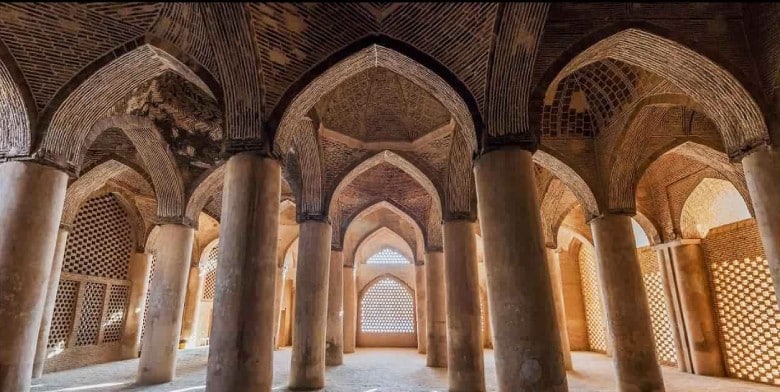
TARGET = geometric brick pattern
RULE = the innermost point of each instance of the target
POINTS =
(591, 293)
(115, 314)
(387, 256)
(659, 314)
(749, 320)
(210, 268)
(387, 307)
(91, 314)
(101, 241)
(62, 319)
(209, 285)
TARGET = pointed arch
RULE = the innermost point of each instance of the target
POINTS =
(156, 157)
(370, 52)
(713, 202)
(721, 96)
(386, 156)
(206, 187)
(571, 178)
(91, 95)
(206, 262)
(383, 237)
(418, 229)
(648, 226)
(17, 109)
(96, 180)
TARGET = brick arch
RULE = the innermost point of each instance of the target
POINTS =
(17, 109)
(95, 181)
(696, 222)
(384, 236)
(372, 51)
(569, 176)
(556, 203)
(403, 215)
(90, 95)
(721, 96)
(209, 183)
(156, 156)
(409, 168)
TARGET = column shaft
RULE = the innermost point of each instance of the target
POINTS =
(525, 332)
(138, 273)
(189, 322)
(241, 341)
(762, 170)
(166, 304)
(674, 309)
(465, 365)
(33, 196)
(560, 311)
(696, 302)
(419, 291)
(334, 341)
(311, 306)
(48, 308)
(436, 323)
(278, 297)
(350, 309)
(625, 302)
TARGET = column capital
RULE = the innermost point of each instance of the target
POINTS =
(350, 266)
(318, 217)
(468, 216)
(434, 249)
(504, 142)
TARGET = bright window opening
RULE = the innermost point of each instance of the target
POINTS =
(387, 256)
(387, 307)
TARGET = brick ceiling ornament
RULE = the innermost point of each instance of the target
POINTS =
(373, 56)
(721, 96)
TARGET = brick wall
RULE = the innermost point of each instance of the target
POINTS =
(745, 301)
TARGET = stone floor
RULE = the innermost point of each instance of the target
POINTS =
(368, 370)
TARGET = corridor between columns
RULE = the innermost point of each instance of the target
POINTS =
(474, 197)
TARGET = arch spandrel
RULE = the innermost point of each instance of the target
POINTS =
(17, 110)
(379, 239)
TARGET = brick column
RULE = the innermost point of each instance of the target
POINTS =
(334, 340)
(138, 273)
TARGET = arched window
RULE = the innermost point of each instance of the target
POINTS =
(639, 234)
(387, 256)
(712, 203)
(387, 306)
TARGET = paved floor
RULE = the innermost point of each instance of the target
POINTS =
(368, 370)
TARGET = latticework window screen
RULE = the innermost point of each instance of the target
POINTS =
(94, 282)
(387, 306)
(659, 314)
(210, 269)
(387, 256)
(64, 308)
(749, 320)
(591, 294)
(101, 241)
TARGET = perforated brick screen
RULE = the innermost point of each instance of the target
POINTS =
(659, 314)
(591, 294)
(101, 241)
(387, 306)
(114, 319)
(62, 319)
